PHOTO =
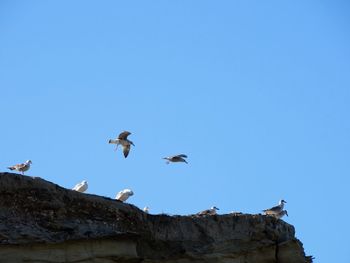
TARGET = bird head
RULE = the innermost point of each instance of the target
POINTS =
(84, 182)
(129, 192)
(282, 202)
(28, 162)
(214, 207)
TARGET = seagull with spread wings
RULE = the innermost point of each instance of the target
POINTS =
(123, 140)
(176, 158)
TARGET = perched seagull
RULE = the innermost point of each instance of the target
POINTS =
(281, 214)
(124, 195)
(208, 212)
(276, 209)
(176, 158)
(123, 141)
(81, 187)
(22, 167)
(146, 209)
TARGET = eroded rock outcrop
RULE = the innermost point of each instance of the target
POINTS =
(43, 222)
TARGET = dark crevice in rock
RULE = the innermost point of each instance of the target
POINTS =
(276, 252)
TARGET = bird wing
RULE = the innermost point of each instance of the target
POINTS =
(20, 166)
(126, 150)
(121, 196)
(181, 155)
(276, 208)
(77, 186)
(205, 212)
(124, 135)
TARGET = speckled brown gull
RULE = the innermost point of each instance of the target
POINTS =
(276, 209)
(208, 212)
(22, 167)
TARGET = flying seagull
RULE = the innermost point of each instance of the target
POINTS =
(276, 209)
(81, 187)
(122, 140)
(22, 167)
(124, 195)
(208, 212)
(176, 158)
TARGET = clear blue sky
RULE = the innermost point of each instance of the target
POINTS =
(256, 93)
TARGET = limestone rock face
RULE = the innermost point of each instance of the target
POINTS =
(43, 222)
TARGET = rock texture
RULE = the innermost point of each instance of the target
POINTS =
(42, 222)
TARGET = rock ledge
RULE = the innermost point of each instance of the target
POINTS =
(43, 222)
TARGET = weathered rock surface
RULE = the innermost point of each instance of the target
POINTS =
(43, 222)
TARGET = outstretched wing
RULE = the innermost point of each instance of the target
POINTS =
(126, 150)
(182, 155)
(124, 135)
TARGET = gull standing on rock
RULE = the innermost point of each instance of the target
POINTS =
(176, 158)
(22, 167)
(124, 195)
(276, 209)
(208, 212)
(280, 214)
(123, 141)
(146, 209)
(81, 187)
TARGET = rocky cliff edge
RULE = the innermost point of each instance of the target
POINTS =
(43, 222)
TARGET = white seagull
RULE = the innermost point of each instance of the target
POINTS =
(208, 212)
(176, 158)
(122, 140)
(22, 167)
(124, 195)
(81, 187)
(276, 209)
(146, 209)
